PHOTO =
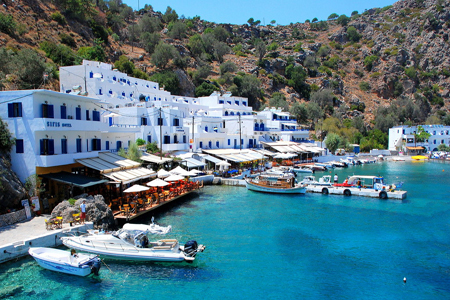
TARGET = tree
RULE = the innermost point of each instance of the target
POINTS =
(314, 111)
(251, 21)
(178, 30)
(353, 34)
(369, 60)
(421, 135)
(33, 185)
(6, 139)
(323, 98)
(300, 112)
(314, 20)
(150, 41)
(169, 80)
(29, 66)
(170, 15)
(332, 141)
(343, 20)
(273, 22)
(163, 54)
(323, 51)
(333, 16)
(196, 45)
(205, 89)
(124, 65)
(150, 24)
(260, 49)
(220, 49)
(220, 34)
(279, 100)
(228, 67)
(355, 12)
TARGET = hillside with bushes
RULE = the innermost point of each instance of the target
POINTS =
(354, 76)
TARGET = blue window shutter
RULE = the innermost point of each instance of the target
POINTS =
(64, 146)
(63, 112)
(87, 114)
(51, 147)
(42, 147)
(10, 110)
(78, 113)
(99, 144)
(19, 146)
(78, 145)
(50, 113)
(217, 144)
(149, 138)
(19, 107)
(96, 115)
(106, 145)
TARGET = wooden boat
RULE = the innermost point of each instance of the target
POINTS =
(275, 183)
(79, 264)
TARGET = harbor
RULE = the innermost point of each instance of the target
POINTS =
(317, 243)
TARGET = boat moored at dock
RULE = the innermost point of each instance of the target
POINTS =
(275, 183)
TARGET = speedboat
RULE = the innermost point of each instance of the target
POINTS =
(134, 245)
(302, 170)
(311, 180)
(275, 183)
(153, 228)
(62, 261)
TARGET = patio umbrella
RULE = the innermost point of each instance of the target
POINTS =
(136, 188)
(111, 115)
(174, 178)
(163, 173)
(223, 165)
(177, 170)
(157, 183)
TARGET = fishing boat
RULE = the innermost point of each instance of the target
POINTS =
(275, 183)
(134, 245)
(79, 264)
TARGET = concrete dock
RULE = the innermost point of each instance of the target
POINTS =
(16, 239)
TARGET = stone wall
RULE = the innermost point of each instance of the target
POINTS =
(13, 218)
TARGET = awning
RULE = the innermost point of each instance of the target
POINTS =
(415, 148)
(266, 152)
(192, 163)
(118, 160)
(212, 159)
(131, 175)
(74, 179)
(99, 164)
(154, 159)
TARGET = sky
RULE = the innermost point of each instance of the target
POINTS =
(238, 12)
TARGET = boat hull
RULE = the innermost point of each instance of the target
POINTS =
(264, 189)
(58, 263)
(122, 251)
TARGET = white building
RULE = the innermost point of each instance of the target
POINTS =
(53, 130)
(401, 138)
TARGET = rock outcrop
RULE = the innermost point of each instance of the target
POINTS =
(11, 188)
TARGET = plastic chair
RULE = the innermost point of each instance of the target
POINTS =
(58, 222)
(49, 224)
(76, 218)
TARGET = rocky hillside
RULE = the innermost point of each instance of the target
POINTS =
(347, 66)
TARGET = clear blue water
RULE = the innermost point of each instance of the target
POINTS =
(262, 246)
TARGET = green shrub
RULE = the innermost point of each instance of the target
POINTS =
(375, 75)
(6, 139)
(169, 80)
(369, 60)
(60, 54)
(58, 17)
(273, 46)
(68, 40)
(358, 72)
(72, 201)
(7, 24)
(364, 86)
(411, 73)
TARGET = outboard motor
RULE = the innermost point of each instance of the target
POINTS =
(95, 267)
(190, 248)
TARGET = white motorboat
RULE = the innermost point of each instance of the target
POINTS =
(302, 170)
(153, 228)
(79, 264)
(134, 245)
(275, 183)
(311, 180)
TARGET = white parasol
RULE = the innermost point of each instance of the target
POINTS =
(136, 188)
(163, 173)
(174, 178)
(157, 182)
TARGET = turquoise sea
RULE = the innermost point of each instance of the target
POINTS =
(262, 246)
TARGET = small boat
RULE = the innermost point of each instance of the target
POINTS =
(311, 180)
(79, 264)
(419, 157)
(275, 183)
(153, 228)
(302, 170)
(134, 245)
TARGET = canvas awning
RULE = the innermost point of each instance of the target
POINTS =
(74, 179)
(192, 163)
(118, 160)
(212, 159)
(154, 159)
(415, 148)
(99, 164)
(131, 175)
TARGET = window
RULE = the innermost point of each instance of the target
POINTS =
(87, 115)
(15, 110)
(160, 122)
(149, 138)
(107, 145)
(78, 145)
(47, 147)
(47, 111)
(118, 145)
(236, 102)
(176, 122)
(206, 128)
(96, 116)
(100, 92)
(175, 139)
(184, 139)
(19, 146)
(221, 102)
(244, 103)
(167, 139)
(63, 146)
(63, 112)
(256, 127)
(201, 145)
(144, 121)
(229, 142)
(96, 144)
(261, 127)
(210, 144)
(217, 144)
(78, 113)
